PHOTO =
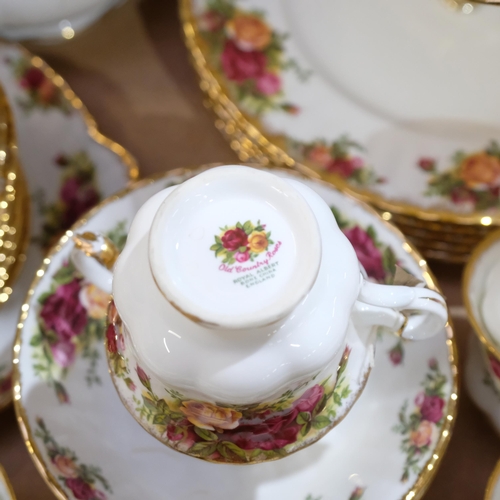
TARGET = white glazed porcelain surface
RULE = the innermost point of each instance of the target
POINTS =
(356, 460)
(394, 84)
(28, 19)
(46, 130)
(5, 486)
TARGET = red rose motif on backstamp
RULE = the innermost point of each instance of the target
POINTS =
(234, 239)
(495, 366)
(366, 251)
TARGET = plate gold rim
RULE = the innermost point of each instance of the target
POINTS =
(428, 471)
(492, 481)
(270, 145)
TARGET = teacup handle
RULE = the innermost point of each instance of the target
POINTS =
(94, 255)
(415, 313)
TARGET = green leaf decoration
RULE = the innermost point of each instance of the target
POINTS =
(206, 434)
(227, 445)
(320, 422)
(303, 417)
(204, 449)
(248, 227)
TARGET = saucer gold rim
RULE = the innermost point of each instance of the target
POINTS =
(428, 471)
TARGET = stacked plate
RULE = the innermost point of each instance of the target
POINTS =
(14, 204)
(402, 125)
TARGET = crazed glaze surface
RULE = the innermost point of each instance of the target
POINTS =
(248, 365)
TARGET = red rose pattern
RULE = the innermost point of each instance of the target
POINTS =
(82, 490)
(366, 251)
(239, 65)
(432, 408)
(78, 197)
(234, 239)
(272, 431)
(63, 313)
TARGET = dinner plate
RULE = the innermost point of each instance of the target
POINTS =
(84, 442)
(379, 97)
(69, 167)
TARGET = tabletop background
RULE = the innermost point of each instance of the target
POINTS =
(131, 69)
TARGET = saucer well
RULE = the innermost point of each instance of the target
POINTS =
(69, 167)
(83, 440)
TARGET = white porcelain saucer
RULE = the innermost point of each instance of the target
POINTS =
(68, 164)
(493, 488)
(84, 442)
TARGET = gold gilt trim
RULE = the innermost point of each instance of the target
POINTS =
(469, 271)
(126, 158)
(5, 480)
(492, 482)
(425, 477)
(249, 140)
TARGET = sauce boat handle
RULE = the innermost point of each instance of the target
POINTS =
(94, 255)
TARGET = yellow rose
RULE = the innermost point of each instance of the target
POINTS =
(249, 32)
(94, 300)
(209, 416)
(257, 241)
(65, 466)
(480, 169)
(423, 435)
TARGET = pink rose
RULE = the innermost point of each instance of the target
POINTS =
(63, 353)
(143, 377)
(65, 466)
(344, 167)
(78, 197)
(427, 164)
(32, 78)
(172, 435)
(396, 354)
(239, 65)
(310, 398)
(460, 195)
(495, 366)
(82, 490)
(271, 431)
(269, 84)
(242, 257)
(234, 239)
(368, 254)
(63, 313)
(111, 339)
(432, 408)
(419, 400)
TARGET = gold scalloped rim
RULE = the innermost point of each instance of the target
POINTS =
(428, 471)
(247, 135)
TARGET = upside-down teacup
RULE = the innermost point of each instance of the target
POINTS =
(241, 327)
